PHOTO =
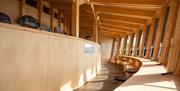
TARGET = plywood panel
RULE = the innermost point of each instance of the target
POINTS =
(11, 8)
(33, 60)
(23, 60)
(31, 11)
(106, 46)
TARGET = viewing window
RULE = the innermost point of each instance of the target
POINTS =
(32, 3)
(46, 9)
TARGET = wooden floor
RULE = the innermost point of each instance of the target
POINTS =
(105, 80)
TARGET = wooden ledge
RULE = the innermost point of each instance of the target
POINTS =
(21, 28)
(149, 78)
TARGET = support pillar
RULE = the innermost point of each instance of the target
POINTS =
(169, 30)
(40, 10)
(118, 45)
(52, 18)
(159, 31)
(174, 54)
(150, 39)
(22, 7)
(136, 43)
(143, 40)
(75, 18)
(129, 44)
(123, 45)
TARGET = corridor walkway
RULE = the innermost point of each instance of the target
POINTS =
(104, 81)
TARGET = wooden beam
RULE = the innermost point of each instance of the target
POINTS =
(75, 18)
(129, 45)
(22, 7)
(125, 11)
(124, 18)
(60, 1)
(136, 24)
(150, 39)
(130, 6)
(160, 30)
(112, 30)
(137, 36)
(143, 40)
(120, 26)
(112, 33)
(174, 7)
(123, 45)
(145, 2)
(52, 18)
(107, 34)
(115, 28)
(127, 15)
(40, 10)
(121, 23)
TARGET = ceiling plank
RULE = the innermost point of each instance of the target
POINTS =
(146, 2)
(113, 28)
(120, 27)
(125, 18)
(130, 6)
(120, 10)
(120, 23)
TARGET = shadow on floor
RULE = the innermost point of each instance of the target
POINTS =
(104, 81)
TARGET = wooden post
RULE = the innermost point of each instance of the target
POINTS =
(118, 45)
(150, 39)
(123, 45)
(40, 9)
(75, 18)
(160, 30)
(59, 18)
(143, 40)
(95, 34)
(169, 30)
(22, 7)
(129, 44)
(136, 43)
(52, 18)
(113, 46)
(174, 54)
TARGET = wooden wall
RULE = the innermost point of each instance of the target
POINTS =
(12, 9)
(33, 60)
(106, 46)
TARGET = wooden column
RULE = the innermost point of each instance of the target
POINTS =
(174, 54)
(59, 18)
(150, 39)
(95, 36)
(75, 18)
(143, 40)
(52, 18)
(113, 47)
(118, 45)
(169, 31)
(129, 44)
(160, 30)
(136, 43)
(22, 7)
(123, 45)
(40, 10)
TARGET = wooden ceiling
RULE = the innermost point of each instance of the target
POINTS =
(116, 17)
